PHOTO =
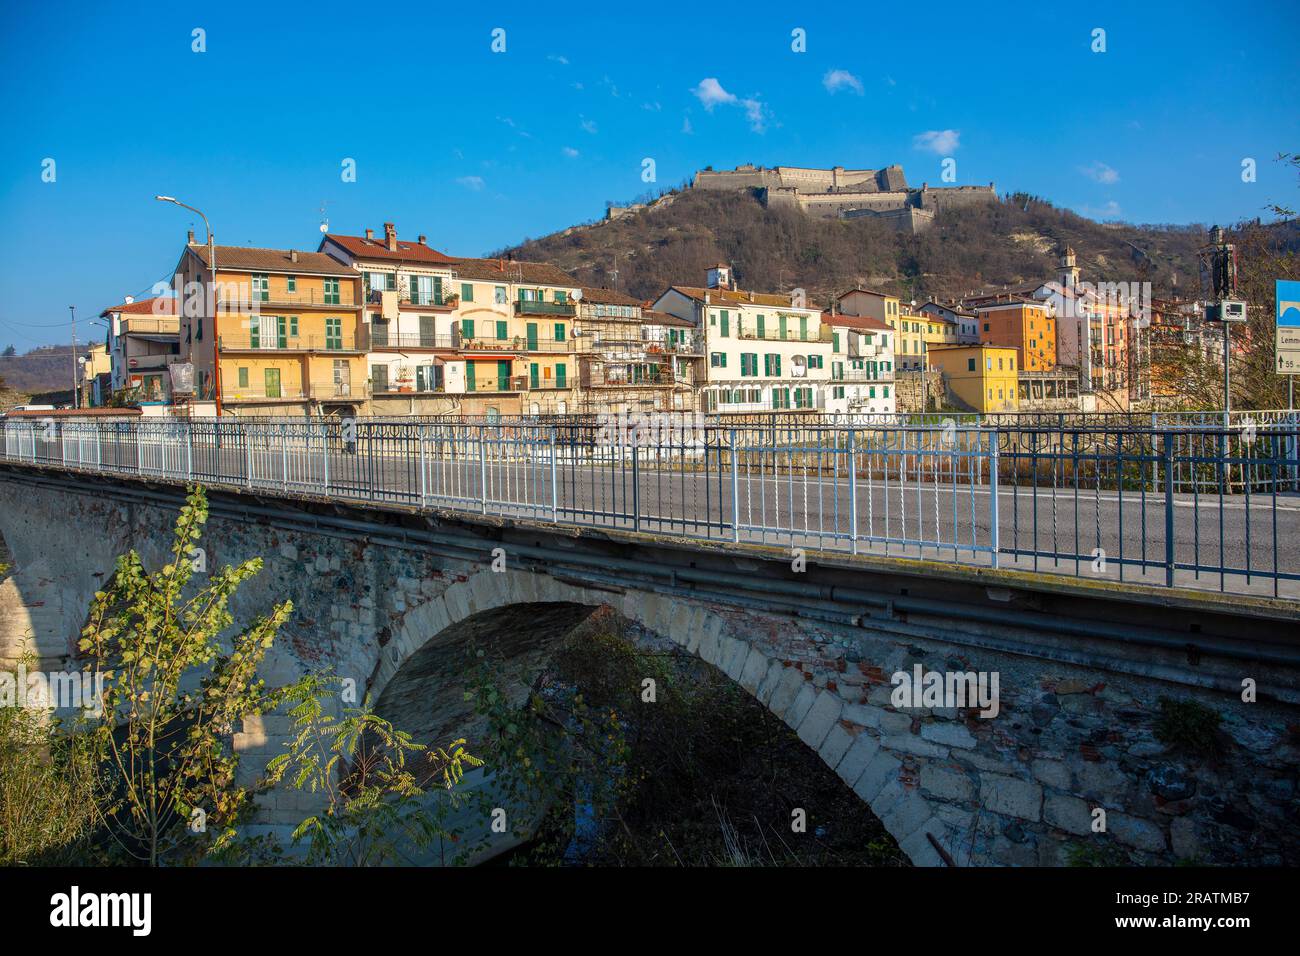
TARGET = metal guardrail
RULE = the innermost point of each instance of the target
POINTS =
(1198, 507)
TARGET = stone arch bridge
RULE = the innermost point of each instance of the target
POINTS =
(388, 595)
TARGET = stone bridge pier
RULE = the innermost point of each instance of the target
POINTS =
(1093, 686)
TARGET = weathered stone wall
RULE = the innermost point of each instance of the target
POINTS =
(953, 787)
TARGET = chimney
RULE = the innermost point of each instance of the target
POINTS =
(421, 239)
(130, 298)
(293, 255)
(370, 235)
(189, 237)
(390, 237)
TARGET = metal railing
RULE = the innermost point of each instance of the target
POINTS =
(271, 341)
(538, 307)
(1148, 506)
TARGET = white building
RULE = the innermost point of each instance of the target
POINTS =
(761, 352)
(862, 365)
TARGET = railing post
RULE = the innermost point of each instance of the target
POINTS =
(189, 451)
(853, 492)
(735, 491)
(1169, 509)
(325, 454)
(555, 488)
(482, 467)
(636, 488)
(247, 442)
(424, 466)
(994, 524)
(284, 457)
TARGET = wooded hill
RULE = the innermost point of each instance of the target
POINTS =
(1007, 243)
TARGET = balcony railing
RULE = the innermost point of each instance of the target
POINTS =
(769, 334)
(150, 325)
(432, 300)
(295, 392)
(246, 301)
(271, 342)
(538, 307)
(514, 343)
(408, 340)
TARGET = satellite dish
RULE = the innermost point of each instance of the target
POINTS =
(324, 227)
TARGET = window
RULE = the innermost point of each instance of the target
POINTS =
(271, 379)
(999, 365)
(501, 329)
(498, 295)
(467, 292)
(333, 333)
(886, 387)
(986, 326)
(379, 377)
(837, 391)
(561, 296)
(293, 326)
(988, 364)
(261, 287)
(561, 375)
(772, 366)
(467, 328)
(816, 361)
(291, 284)
(331, 291)
(835, 339)
(726, 323)
(243, 377)
(970, 365)
(748, 363)
(559, 331)
(718, 359)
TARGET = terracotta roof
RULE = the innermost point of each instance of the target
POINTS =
(507, 270)
(274, 260)
(736, 297)
(954, 309)
(883, 295)
(363, 248)
(156, 305)
(1005, 300)
(864, 322)
(607, 297)
(651, 317)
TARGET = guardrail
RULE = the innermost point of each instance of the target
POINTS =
(1147, 506)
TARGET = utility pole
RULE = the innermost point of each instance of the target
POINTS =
(75, 369)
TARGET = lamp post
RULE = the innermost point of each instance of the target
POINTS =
(210, 297)
(76, 370)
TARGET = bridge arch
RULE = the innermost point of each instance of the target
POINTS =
(431, 635)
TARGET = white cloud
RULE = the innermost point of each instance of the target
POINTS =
(940, 142)
(836, 80)
(687, 128)
(1100, 172)
(588, 126)
(570, 152)
(654, 107)
(556, 58)
(475, 183)
(710, 93)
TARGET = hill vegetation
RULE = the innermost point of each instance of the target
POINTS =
(1012, 241)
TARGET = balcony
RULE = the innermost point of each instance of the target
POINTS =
(769, 334)
(862, 375)
(258, 392)
(150, 325)
(439, 301)
(538, 307)
(516, 343)
(618, 376)
(270, 342)
(375, 339)
(247, 301)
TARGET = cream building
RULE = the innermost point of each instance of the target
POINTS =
(862, 365)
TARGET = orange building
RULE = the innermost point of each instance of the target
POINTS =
(1025, 325)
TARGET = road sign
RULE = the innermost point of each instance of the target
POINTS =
(1287, 345)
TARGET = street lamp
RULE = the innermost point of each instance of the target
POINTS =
(76, 371)
(211, 297)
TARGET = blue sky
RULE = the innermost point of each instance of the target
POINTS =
(479, 149)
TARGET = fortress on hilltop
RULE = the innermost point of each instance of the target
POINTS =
(840, 193)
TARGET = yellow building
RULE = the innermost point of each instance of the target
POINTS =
(981, 377)
(911, 330)
(277, 335)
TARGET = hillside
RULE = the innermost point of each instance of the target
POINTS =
(1004, 243)
(40, 370)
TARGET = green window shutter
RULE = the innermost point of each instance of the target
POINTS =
(281, 330)
(781, 320)
(726, 322)
(467, 292)
(835, 338)
(559, 331)
(803, 328)
(533, 375)
(467, 328)
(293, 326)
(762, 323)
(254, 331)
(561, 375)
(469, 377)
(243, 377)
(501, 329)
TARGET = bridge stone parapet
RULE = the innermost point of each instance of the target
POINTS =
(391, 599)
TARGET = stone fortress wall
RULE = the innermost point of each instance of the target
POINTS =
(840, 193)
